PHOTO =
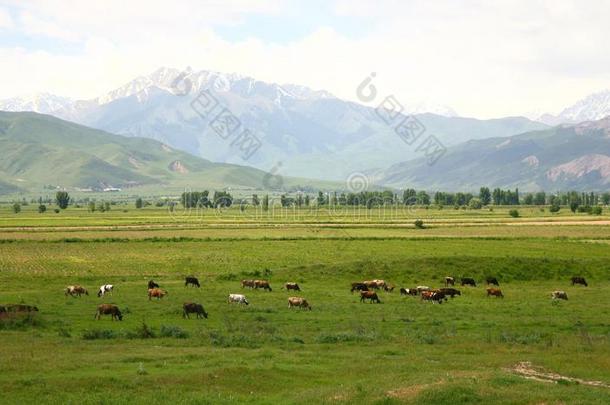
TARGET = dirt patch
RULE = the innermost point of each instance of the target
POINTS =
(526, 370)
(412, 390)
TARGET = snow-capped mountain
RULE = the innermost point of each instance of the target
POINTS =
(302, 132)
(594, 107)
(43, 103)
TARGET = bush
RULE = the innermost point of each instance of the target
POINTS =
(56, 210)
(419, 224)
(16, 208)
(596, 210)
(173, 331)
(95, 334)
(475, 204)
(514, 213)
(555, 208)
(143, 332)
(42, 208)
(19, 321)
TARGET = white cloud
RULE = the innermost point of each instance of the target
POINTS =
(483, 59)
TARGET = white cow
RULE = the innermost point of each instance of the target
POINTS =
(106, 288)
(559, 295)
(239, 298)
(421, 288)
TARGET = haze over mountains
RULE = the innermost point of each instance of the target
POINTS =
(303, 132)
(566, 157)
(307, 133)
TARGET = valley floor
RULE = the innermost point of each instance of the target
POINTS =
(471, 349)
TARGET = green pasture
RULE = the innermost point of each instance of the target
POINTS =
(400, 351)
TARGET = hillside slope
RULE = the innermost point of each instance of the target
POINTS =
(38, 150)
(564, 157)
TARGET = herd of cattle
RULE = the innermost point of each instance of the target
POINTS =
(367, 289)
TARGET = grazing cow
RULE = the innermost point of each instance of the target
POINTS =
(389, 287)
(264, 284)
(433, 295)
(190, 280)
(369, 295)
(76, 290)
(449, 281)
(496, 292)
(559, 295)
(421, 288)
(238, 298)
(109, 309)
(20, 308)
(247, 283)
(157, 293)
(105, 289)
(452, 292)
(579, 280)
(298, 302)
(193, 308)
(409, 291)
(292, 286)
(359, 287)
(468, 281)
(152, 284)
(492, 280)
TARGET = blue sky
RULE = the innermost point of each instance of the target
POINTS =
(483, 59)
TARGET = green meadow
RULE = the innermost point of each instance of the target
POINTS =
(403, 350)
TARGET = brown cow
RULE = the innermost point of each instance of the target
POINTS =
(389, 287)
(369, 295)
(264, 284)
(109, 309)
(298, 302)
(21, 308)
(433, 295)
(496, 292)
(193, 308)
(247, 283)
(449, 281)
(157, 293)
(292, 286)
(76, 290)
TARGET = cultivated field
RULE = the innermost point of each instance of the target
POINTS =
(470, 349)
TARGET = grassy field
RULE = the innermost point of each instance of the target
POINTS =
(400, 351)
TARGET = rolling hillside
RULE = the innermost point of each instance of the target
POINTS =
(561, 158)
(39, 150)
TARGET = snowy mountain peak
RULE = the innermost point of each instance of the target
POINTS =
(593, 107)
(44, 103)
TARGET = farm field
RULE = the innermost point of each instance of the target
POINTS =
(467, 350)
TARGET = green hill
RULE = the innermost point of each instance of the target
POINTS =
(565, 157)
(39, 150)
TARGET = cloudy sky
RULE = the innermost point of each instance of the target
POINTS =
(482, 58)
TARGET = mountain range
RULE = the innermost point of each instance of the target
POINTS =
(38, 151)
(566, 157)
(303, 132)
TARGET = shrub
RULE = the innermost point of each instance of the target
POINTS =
(173, 331)
(514, 213)
(17, 321)
(419, 224)
(94, 334)
(56, 210)
(597, 210)
(16, 208)
(42, 208)
(142, 332)
(555, 208)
